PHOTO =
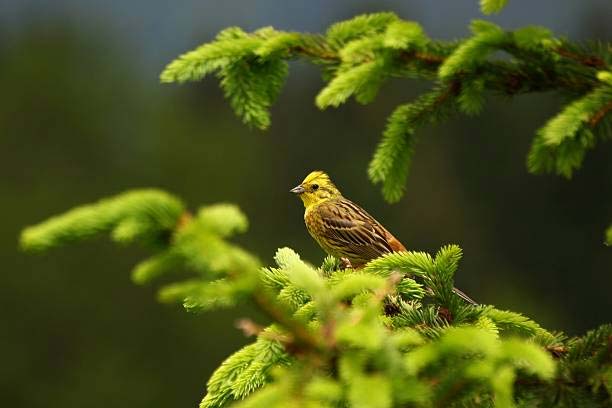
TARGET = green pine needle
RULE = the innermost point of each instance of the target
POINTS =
(363, 81)
(560, 146)
(361, 26)
(145, 215)
(209, 58)
(359, 54)
(403, 35)
(492, 6)
(224, 220)
(574, 116)
(392, 333)
(391, 162)
(487, 38)
(251, 86)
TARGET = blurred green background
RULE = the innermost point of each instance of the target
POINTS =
(82, 116)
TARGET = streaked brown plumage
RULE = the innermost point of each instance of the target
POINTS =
(345, 230)
(342, 228)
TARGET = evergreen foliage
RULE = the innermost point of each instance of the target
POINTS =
(390, 334)
(492, 6)
(357, 56)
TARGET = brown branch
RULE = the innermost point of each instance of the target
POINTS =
(586, 60)
(184, 219)
(428, 58)
(599, 115)
(311, 53)
(508, 78)
(302, 341)
(325, 54)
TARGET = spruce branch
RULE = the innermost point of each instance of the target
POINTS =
(359, 54)
(393, 328)
(392, 333)
(391, 162)
(492, 6)
(561, 144)
(148, 216)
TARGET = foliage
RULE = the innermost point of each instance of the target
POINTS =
(358, 55)
(390, 334)
(492, 6)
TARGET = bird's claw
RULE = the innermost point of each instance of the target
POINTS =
(346, 264)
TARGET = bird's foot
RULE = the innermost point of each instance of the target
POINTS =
(346, 264)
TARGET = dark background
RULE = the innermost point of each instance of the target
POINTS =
(82, 116)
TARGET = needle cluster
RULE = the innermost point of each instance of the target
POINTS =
(390, 334)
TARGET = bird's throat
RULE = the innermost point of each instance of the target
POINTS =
(312, 201)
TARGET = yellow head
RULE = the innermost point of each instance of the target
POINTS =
(316, 187)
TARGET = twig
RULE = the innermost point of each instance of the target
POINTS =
(587, 60)
(302, 338)
(598, 116)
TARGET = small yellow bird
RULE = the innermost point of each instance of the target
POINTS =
(342, 228)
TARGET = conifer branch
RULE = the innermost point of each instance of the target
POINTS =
(591, 61)
(359, 54)
(600, 114)
(392, 333)
(301, 341)
(337, 332)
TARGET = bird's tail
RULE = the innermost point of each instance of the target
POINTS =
(464, 296)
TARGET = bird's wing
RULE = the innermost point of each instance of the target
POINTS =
(349, 229)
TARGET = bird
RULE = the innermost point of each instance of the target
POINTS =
(342, 228)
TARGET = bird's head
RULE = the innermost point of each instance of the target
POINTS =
(316, 187)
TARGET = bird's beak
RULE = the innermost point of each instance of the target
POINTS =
(297, 190)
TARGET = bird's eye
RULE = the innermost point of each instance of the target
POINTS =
(315, 187)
